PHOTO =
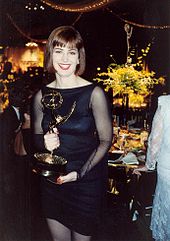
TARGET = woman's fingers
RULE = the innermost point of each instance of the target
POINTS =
(140, 169)
(59, 180)
(136, 172)
(70, 177)
(51, 140)
(55, 130)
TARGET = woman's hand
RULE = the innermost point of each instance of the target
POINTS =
(51, 140)
(70, 177)
(140, 169)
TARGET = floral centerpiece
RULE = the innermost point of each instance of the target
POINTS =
(130, 80)
(125, 79)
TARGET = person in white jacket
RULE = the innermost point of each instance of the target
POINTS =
(158, 157)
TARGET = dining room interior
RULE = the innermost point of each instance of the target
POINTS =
(128, 55)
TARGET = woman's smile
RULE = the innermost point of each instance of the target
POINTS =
(65, 60)
(64, 66)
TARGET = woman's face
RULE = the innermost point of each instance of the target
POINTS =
(65, 60)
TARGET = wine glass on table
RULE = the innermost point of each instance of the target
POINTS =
(121, 142)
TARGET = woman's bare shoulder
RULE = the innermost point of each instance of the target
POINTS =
(52, 84)
(83, 82)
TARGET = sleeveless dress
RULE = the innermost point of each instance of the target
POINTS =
(159, 153)
(79, 205)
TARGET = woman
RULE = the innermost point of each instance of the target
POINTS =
(73, 205)
(159, 153)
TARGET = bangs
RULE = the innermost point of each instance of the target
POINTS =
(70, 41)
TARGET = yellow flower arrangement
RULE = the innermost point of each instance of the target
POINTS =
(126, 79)
(130, 80)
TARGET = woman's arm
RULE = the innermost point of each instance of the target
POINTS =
(103, 120)
(154, 142)
(155, 139)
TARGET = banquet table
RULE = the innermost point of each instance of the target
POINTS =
(131, 190)
(127, 152)
(119, 176)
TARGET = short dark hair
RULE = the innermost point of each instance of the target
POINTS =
(62, 36)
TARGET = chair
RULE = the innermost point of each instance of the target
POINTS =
(143, 193)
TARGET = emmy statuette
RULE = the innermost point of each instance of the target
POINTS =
(48, 164)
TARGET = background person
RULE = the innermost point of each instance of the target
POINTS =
(14, 163)
(158, 152)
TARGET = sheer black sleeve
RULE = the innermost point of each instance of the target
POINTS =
(103, 120)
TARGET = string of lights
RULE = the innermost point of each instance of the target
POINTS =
(78, 7)
(86, 8)
(163, 27)
(34, 7)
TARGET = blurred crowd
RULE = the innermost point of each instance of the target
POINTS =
(16, 94)
(27, 83)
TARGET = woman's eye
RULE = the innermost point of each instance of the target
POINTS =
(73, 53)
(57, 51)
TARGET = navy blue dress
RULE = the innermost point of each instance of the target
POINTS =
(85, 139)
